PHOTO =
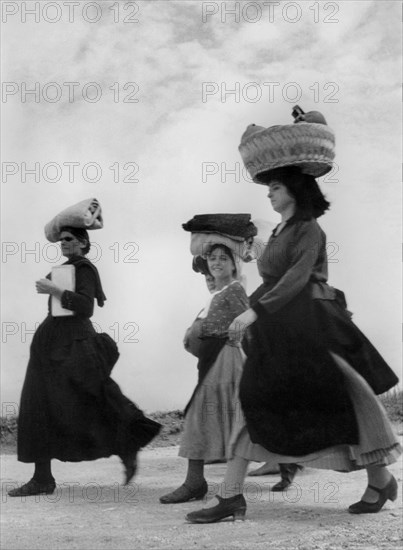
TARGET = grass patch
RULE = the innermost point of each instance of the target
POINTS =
(392, 401)
(172, 424)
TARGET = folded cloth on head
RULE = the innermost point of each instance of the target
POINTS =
(234, 225)
(201, 243)
(86, 214)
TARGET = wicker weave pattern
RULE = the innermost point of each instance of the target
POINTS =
(307, 145)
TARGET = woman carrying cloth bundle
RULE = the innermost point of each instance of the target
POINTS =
(222, 239)
(70, 407)
(309, 386)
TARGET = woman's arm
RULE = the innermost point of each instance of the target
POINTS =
(81, 301)
(44, 286)
(304, 252)
(237, 328)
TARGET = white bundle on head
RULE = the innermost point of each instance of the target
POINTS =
(86, 214)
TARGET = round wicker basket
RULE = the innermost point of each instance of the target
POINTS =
(310, 146)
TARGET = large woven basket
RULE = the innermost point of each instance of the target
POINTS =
(310, 146)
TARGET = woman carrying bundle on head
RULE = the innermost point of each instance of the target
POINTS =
(309, 385)
(212, 410)
(70, 407)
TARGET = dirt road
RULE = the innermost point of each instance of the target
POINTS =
(91, 510)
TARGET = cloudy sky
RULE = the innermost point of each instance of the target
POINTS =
(142, 105)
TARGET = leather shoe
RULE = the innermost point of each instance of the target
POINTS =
(130, 464)
(185, 493)
(33, 488)
(288, 472)
(389, 492)
(226, 507)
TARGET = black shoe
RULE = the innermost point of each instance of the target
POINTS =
(130, 464)
(227, 507)
(389, 492)
(33, 488)
(185, 493)
(287, 472)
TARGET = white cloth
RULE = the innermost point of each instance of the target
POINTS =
(86, 214)
(201, 243)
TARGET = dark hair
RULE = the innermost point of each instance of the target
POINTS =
(310, 201)
(199, 264)
(228, 252)
(81, 234)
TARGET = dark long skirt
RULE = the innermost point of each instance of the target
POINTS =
(70, 407)
(292, 392)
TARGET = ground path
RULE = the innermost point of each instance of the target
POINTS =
(91, 510)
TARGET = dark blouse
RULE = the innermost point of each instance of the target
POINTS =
(296, 256)
(88, 287)
(59, 332)
(82, 300)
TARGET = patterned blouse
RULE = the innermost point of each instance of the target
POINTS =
(225, 305)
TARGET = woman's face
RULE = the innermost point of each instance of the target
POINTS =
(70, 245)
(220, 265)
(280, 198)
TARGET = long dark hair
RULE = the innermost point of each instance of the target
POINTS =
(310, 201)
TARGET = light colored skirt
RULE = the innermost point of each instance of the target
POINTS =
(378, 444)
(215, 409)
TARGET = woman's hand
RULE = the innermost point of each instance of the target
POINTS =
(44, 286)
(237, 328)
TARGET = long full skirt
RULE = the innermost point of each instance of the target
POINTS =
(70, 407)
(215, 409)
(377, 441)
(295, 392)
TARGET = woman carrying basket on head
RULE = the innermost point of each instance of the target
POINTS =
(309, 386)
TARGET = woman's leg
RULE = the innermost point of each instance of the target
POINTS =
(234, 477)
(267, 469)
(194, 486)
(43, 472)
(195, 473)
(234, 480)
(379, 477)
